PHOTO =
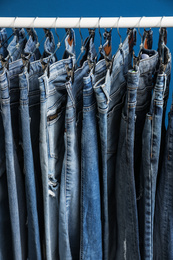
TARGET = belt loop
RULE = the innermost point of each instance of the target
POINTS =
(69, 91)
(46, 83)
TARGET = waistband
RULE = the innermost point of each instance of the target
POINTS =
(77, 85)
(4, 85)
(150, 63)
(56, 69)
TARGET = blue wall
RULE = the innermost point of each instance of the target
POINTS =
(91, 8)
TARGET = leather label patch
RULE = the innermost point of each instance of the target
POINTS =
(107, 49)
(70, 41)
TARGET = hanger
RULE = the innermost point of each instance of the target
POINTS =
(47, 33)
(148, 39)
(46, 65)
(1, 45)
(5, 61)
(163, 56)
(26, 60)
(86, 47)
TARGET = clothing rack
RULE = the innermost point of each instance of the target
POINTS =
(86, 22)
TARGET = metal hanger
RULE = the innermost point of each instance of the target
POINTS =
(118, 31)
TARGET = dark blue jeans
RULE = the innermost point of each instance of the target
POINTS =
(69, 210)
(151, 139)
(127, 234)
(163, 224)
(34, 245)
(14, 177)
(91, 229)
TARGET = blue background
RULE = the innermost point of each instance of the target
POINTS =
(91, 8)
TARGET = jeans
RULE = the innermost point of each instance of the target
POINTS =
(3, 38)
(121, 64)
(15, 195)
(147, 68)
(52, 119)
(34, 248)
(109, 120)
(91, 230)
(163, 224)
(151, 140)
(16, 68)
(127, 235)
(31, 49)
(69, 210)
(15, 51)
(49, 48)
(5, 226)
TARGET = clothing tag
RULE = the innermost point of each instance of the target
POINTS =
(107, 49)
(70, 42)
(131, 40)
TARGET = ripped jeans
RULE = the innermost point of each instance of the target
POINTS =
(53, 97)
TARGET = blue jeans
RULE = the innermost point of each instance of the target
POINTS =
(147, 68)
(69, 208)
(91, 230)
(52, 115)
(163, 219)
(16, 68)
(34, 247)
(112, 91)
(14, 177)
(30, 47)
(13, 51)
(49, 47)
(5, 226)
(127, 235)
(151, 139)
(3, 38)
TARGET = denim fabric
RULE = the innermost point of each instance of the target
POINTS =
(102, 91)
(69, 209)
(52, 91)
(3, 38)
(70, 45)
(31, 49)
(91, 231)
(30, 79)
(121, 63)
(163, 225)
(151, 139)
(49, 47)
(53, 100)
(5, 226)
(167, 66)
(16, 68)
(34, 248)
(18, 219)
(17, 45)
(109, 137)
(147, 68)
(127, 241)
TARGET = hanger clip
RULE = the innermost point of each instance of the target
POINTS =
(5, 62)
(26, 62)
(70, 73)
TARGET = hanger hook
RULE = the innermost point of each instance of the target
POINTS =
(118, 29)
(14, 23)
(59, 43)
(161, 23)
(100, 33)
(34, 23)
(139, 27)
(82, 46)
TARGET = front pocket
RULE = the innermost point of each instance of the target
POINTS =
(56, 126)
